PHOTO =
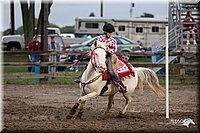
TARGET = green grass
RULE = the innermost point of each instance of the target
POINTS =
(15, 70)
(140, 59)
(180, 81)
(15, 58)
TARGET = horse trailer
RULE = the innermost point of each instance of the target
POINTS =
(145, 30)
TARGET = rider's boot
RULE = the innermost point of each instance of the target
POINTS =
(77, 80)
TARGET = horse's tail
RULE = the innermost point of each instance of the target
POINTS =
(148, 76)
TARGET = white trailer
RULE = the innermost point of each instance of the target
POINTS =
(146, 30)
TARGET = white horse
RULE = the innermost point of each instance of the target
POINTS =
(92, 82)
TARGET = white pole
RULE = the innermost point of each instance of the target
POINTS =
(167, 72)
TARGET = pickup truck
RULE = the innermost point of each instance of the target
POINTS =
(14, 42)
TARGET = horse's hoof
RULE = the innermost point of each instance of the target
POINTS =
(120, 115)
(69, 116)
(79, 115)
(104, 116)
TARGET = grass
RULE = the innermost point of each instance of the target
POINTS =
(140, 59)
(15, 58)
(7, 70)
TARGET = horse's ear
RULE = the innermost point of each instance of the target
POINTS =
(95, 43)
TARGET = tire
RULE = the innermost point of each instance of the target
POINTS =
(126, 57)
(12, 46)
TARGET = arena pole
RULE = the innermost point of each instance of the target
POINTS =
(167, 72)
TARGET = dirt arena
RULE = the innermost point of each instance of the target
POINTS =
(44, 107)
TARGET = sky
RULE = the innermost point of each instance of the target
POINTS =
(64, 12)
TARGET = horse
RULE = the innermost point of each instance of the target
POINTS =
(92, 82)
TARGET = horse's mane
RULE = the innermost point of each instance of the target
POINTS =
(98, 44)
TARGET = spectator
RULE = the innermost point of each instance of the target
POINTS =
(54, 46)
(76, 59)
(34, 45)
(189, 28)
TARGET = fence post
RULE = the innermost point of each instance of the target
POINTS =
(53, 69)
(182, 61)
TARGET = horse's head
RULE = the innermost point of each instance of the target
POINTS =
(187, 122)
(98, 56)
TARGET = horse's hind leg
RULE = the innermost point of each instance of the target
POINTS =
(128, 101)
(110, 102)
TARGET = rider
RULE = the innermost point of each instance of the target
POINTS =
(111, 49)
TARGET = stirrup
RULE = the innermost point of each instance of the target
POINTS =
(77, 80)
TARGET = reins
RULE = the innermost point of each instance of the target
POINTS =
(75, 63)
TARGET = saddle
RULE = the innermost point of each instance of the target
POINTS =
(121, 67)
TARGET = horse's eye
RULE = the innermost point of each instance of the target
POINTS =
(95, 53)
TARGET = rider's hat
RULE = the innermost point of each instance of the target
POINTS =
(108, 27)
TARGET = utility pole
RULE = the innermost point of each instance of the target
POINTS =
(131, 9)
(12, 18)
(101, 8)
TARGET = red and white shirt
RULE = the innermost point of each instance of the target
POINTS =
(111, 43)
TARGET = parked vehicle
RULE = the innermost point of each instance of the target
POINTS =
(67, 35)
(16, 42)
(123, 45)
(13, 42)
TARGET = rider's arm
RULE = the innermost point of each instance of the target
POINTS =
(112, 46)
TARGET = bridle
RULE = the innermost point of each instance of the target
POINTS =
(93, 59)
(95, 67)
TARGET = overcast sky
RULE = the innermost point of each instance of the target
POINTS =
(64, 13)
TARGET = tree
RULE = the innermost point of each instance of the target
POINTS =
(28, 14)
(92, 14)
(67, 29)
(50, 2)
(28, 18)
(147, 15)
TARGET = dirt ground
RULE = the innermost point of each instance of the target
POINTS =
(44, 108)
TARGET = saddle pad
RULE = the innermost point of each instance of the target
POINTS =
(125, 68)
(122, 67)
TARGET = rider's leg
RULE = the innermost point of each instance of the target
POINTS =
(112, 73)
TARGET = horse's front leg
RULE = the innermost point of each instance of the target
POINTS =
(72, 111)
(80, 113)
(80, 104)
